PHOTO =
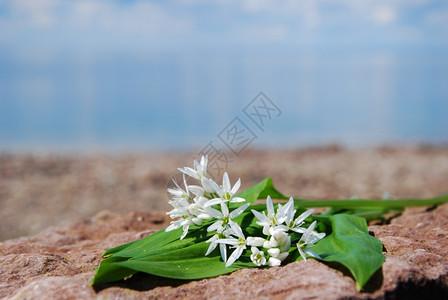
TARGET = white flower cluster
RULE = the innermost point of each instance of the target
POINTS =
(276, 227)
(210, 201)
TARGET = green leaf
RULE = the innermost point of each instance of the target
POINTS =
(110, 271)
(187, 263)
(351, 245)
(114, 250)
(159, 242)
(261, 190)
(164, 254)
(347, 242)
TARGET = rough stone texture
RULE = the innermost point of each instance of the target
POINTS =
(37, 191)
(59, 263)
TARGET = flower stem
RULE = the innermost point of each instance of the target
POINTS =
(372, 203)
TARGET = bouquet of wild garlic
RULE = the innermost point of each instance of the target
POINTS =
(213, 221)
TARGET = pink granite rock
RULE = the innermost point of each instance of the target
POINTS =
(59, 263)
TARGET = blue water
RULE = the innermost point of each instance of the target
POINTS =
(183, 100)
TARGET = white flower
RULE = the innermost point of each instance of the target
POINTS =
(178, 193)
(238, 243)
(255, 241)
(200, 168)
(185, 222)
(283, 239)
(278, 246)
(287, 213)
(223, 216)
(272, 219)
(180, 208)
(186, 219)
(257, 256)
(274, 262)
(222, 247)
(226, 192)
(276, 257)
(196, 190)
(296, 225)
(208, 185)
(308, 239)
(197, 209)
(188, 214)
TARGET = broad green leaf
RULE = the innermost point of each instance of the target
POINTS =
(110, 271)
(351, 245)
(164, 254)
(261, 190)
(159, 242)
(347, 242)
(186, 263)
(114, 250)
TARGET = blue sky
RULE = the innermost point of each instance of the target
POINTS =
(99, 25)
(153, 74)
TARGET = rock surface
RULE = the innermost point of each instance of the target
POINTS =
(59, 263)
(37, 191)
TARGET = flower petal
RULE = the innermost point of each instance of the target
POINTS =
(223, 251)
(213, 212)
(260, 216)
(236, 229)
(224, 209)
(274, 262)
(235, 255)
(266, 228)
(274, 252)
(185, 232)
(303, 216)
(231, 242)
(311, 253)
(204, 161)
(196, 190)
(214, 187)
(189, 171)
(208, 185)
(235, 213)
(214, 226)
(237, 199)
(301, 252)
(214, 202)
(270, 206)
(236, 187)
(283, 256)
(255, 241)
(173, 226)
(310, 229)
(299, 229)
(211, 248)
(226, 182)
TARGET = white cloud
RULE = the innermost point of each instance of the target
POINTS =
(384, 14)
(96, 16)
(195, 22)
(36, 13)
(265, 33)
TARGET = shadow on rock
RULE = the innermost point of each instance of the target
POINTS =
(141, 282)
(421, 289)
(375, 282)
